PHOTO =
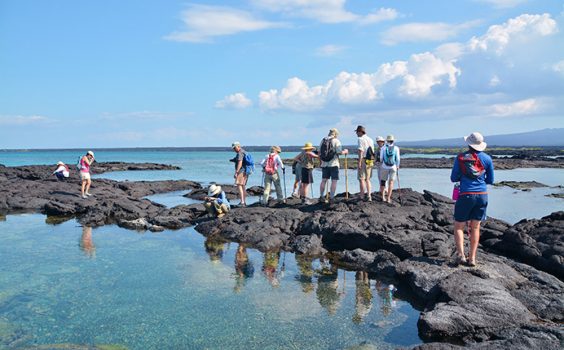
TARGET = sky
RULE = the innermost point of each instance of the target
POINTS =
(140, 73)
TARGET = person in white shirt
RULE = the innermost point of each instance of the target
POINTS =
(270, 165)
(390, 158)
(365, 162)
(62, 171)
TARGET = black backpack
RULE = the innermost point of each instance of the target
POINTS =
(369, 154)
(327, 151)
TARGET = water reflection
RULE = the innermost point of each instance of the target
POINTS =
(86, 244)
(327, 291)
(387, 300)
(305, 276)
(244, 268)
(270, 268)
(215, 248)
(363, 297)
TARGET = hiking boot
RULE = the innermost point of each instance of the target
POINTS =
(323, 199)
(84, 196)
(459, 260)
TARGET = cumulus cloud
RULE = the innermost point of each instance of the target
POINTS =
(22, 119)
(525, 26)
(234, 101)
(418, 32)
(329, 50)
(325, 11)
(206, 22)
(522, 107)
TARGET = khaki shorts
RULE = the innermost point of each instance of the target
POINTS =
(364, 172)
(388, 174)
(84, 176)
(241, 179)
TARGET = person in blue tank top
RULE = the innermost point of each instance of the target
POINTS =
(474, 170)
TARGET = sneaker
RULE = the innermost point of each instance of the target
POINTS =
(307, 201)
(323, 199)
(459, 260)
(296, 195)
(88, 194)
(84, 197)
(369, 198)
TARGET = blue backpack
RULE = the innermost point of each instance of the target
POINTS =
(390, 158)
(248, 163)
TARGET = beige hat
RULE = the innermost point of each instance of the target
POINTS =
(213, 190)
(308, 145)
(235, 144)
(380, 138)
(390, 138)
(60, 163)
(90, 153)
(276, 149)
(334, 132)
(476, 141)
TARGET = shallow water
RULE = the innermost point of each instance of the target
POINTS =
(69, 284)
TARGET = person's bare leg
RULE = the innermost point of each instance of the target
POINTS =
(459, 237)
(83, 187)
(362, 190)
(383, 190)
(474, 239)
(390, 189)
(333, 188)
(322, 187)
(241, 193)
(88, 183)
(368, 188)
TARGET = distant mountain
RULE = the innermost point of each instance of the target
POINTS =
(545, 137)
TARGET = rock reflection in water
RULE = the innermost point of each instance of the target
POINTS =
(86, 244)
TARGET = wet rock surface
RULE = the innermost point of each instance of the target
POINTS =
(514, 299)
(521, 185)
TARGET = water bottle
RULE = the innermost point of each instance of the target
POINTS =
(456, 191)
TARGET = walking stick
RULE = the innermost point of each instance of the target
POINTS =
(399, 188)
(346, 179)
(261, 197)
(284, 174)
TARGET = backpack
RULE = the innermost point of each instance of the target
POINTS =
(470, 165)
(79, 163)
(248, 163)
(389, 156)
(377, 155)
(270, 165)
(369, 154)
(327, 151)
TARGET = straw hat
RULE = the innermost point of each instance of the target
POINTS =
(235, 144)
(390, 138)
(476, 141)
(276, 149)
(308, 145)
(213, 190)
(380, 138)
(90, 153)
(60, 163)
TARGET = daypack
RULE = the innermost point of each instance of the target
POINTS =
(470, 165)
(248, 163)
(79, 163)
(389, 156)
(270, 165)
(377, 155)
(369, 154)
(327, 152)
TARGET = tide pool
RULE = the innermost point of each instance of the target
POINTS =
(178, 290)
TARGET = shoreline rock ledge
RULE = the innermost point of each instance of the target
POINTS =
(514, 299)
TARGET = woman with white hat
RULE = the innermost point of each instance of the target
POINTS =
(84, 164)
(216, 202)
(62, 171)
(474, 170)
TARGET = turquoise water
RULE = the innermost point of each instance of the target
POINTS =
(212, 166)
(177, 290)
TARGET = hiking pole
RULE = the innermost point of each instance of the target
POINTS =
(399, 189)
(261, 197)
(284, 174)
(346, 179)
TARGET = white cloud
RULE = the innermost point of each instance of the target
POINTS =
(234, 101)
(329, 50)
(494, 81)
(205, 22)
(417, 32)
(426, 71)
(522, 27)
(296, 96)
(522, 107)
(325, 11)
(503, 3)
(22, 119)
(558, 67)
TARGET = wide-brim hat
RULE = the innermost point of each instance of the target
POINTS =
(390, 138)
(235, 144)
(90, 153)
(476, 141)
(308, 145)
(213, 190)
(276, 149)
(380, 138)
(60, 163)
(360, 128)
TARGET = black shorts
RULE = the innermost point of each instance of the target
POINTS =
(331, 172)
(307, 176)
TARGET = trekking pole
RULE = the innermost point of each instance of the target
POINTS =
(261, 197)
(346, 179)
(399, 189)
(284, 174)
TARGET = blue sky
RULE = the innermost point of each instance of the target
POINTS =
(132, 73)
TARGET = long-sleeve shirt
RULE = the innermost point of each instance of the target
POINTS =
(277, 161)
(222, 199)
(396, 155)
(469, 185)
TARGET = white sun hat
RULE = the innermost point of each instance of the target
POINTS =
(476, 141)
(380, 138)
(60, 163)
(213, 190)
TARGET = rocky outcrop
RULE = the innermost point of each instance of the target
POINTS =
(521, 185)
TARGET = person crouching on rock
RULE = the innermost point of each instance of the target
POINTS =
(85, 163)
(270, 165)
(216, 202)
(62, 171)
(305, 159)
(474, 169)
